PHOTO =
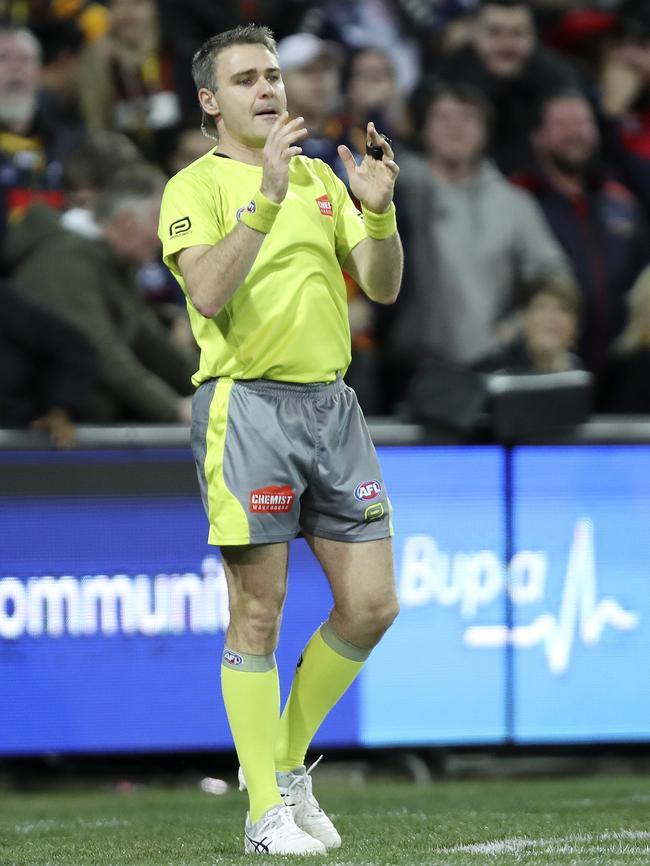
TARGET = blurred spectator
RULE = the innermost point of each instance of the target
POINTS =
(624, 382)
(505, 60)
(189, 144)
(310, 71)
(48, 370)
(550, 321)
(400, 28)
(128, 82)
(370, 92)
(86, 171)
(92, 17)
(90, 284)
(624, 99)
(62, 44)
(470, 237)
(597, 221)
(30, 147)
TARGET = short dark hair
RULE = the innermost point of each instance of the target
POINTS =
(567, 92)
(465, 94)
(203, 66)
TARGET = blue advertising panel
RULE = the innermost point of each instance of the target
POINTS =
(424, 683)
(113, 611)
(580, 584)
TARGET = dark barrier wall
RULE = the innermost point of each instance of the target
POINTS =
(113, 607)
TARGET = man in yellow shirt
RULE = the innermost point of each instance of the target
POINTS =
(257, 236)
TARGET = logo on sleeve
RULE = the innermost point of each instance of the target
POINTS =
(180, 227)
(325, 205)
(276, 499)
(250, 207)
(367, 490)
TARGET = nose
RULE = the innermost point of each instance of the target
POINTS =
(266, 87)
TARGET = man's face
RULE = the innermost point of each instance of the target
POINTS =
(568, 135)
(313, 89)
(20, 71)
(372, 81)
(250, 93)
(453, 131)
(504, 39)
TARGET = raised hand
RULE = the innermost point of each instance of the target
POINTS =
(373, 180)
(280, 146)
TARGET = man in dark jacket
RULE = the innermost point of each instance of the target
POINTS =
(48, 370)
(506, 62)
(597, 221)
(89, 283)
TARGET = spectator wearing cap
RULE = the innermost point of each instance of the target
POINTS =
(505, 60)
(310, 71)
(598, 222)
(471, 239)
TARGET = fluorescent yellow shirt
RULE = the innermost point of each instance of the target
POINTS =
(288, 320)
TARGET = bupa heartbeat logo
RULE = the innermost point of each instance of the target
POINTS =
(474, 580)
(580, 614)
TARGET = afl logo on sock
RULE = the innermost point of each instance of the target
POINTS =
(233, 659)
(180, 227)
(367, 490)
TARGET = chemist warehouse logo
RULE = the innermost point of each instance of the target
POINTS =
(276, 499)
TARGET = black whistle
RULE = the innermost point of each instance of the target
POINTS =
(374, 150)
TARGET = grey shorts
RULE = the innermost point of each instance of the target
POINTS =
(276, 459)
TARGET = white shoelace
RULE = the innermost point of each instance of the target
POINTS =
(305, 778)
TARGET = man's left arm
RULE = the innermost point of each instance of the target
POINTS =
(376, 262)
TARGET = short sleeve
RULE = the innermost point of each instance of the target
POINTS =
(188, 216)
(348, 220)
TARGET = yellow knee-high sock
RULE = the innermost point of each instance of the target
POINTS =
(251, 694)
(326, 669)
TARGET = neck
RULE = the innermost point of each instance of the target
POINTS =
(570, 185)
(238, 150)
(452, 172)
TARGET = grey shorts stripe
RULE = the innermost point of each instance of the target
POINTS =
(297, 458)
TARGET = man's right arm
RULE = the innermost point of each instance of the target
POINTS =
(212, 274)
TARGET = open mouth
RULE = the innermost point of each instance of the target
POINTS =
(266, 112)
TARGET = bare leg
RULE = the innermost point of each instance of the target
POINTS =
(257, 580)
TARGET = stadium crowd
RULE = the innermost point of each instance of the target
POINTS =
(522, 131)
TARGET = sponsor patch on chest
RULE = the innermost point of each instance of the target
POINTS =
(325, 205)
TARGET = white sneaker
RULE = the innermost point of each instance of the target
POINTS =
(296, 790)
(276, 833)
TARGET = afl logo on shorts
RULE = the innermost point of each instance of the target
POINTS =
(367, 490)
(232, 658)
(180, 227)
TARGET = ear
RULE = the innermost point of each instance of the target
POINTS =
(208, 102)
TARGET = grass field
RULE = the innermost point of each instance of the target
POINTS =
(600, 820)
